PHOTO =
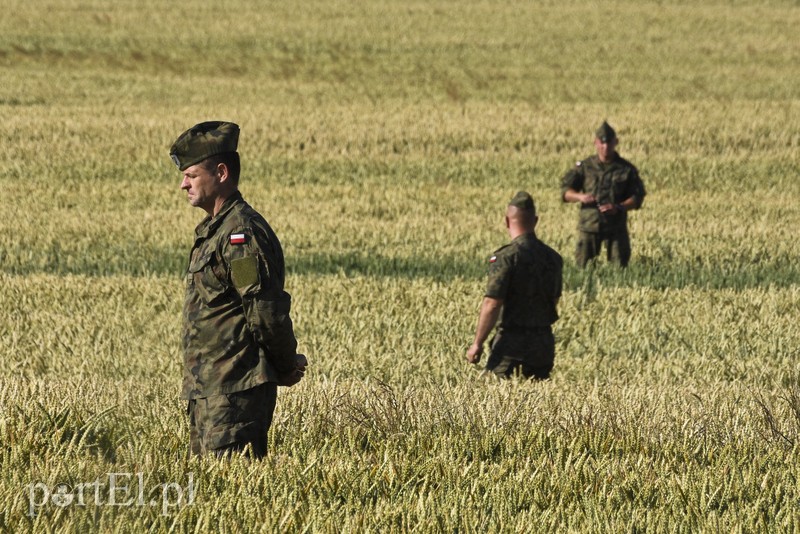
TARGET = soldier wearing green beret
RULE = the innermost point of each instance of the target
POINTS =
(523, 291)
(238, 339)
(607, 187)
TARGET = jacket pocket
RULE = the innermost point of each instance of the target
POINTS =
(205, 280)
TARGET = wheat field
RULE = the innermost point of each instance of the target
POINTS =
(382, 141)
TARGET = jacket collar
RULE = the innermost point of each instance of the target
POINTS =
(208, 225)
(529, 236)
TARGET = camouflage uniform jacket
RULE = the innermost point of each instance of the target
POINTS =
(237, 333)
(526, 275)
(610, 183)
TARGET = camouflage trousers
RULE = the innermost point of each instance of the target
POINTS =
(228, 423)
(530, 353)
(617, 244)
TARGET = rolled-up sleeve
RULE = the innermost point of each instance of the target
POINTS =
(636, 189)
(500, 270)
(572, 180)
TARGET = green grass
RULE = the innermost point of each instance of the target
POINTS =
(381, 140)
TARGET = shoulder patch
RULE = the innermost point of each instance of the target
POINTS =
(238, 239)
(244, 272)
(578, 163)
(493, 259)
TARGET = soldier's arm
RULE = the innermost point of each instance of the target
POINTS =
(273, 328)
(256, 272)
(571, 195)
(632, 197)
(490, 312)
(558, 281)
(500, 269)
(635, 193)
(572, 186)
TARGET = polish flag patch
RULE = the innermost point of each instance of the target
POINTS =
(237, 239)
(493, 259)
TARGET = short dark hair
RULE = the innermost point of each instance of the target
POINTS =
(230, 159)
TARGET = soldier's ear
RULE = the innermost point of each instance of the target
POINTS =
(222, 172)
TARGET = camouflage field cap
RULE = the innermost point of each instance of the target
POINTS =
(202, 141)
(605, 133)
(523, 201)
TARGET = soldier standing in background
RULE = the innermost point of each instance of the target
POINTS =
(238, 339)
(607, 187)
(525, 283)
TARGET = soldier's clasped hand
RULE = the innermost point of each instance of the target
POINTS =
(293, 377)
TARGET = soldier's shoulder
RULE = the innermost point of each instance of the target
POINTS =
(243, 212)
(245, 217)
(587, 164)
(502, 253)
(556, 257)
(626, 163)
(508, 248)
(243, 227)
(582, 163)
(549, 252)
(235, 223)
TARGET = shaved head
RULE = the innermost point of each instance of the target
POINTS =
(525, 219)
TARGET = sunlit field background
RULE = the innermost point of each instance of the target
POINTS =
(382, 141)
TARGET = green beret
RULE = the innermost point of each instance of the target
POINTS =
(523, 201)
(202, 141)
(605, 133)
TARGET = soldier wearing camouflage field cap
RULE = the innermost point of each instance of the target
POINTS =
(607, 187)
(238, 339)
(523, 291)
